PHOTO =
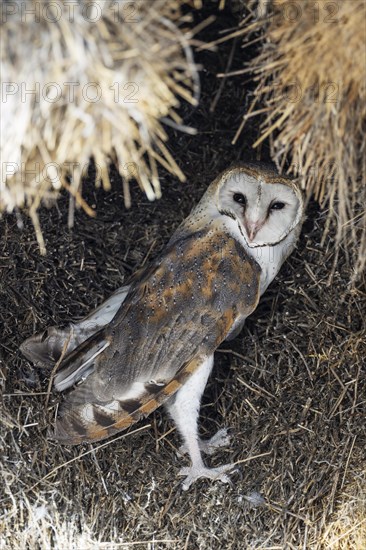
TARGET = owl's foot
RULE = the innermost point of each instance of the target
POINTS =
(209, 446)
(196, 472)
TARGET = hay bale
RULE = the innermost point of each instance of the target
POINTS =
(88, 79)
(347, 529)
(311, 74)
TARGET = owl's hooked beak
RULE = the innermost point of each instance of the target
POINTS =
(252, 228)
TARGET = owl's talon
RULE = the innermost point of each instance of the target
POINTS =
(209, 446)
(193, 473)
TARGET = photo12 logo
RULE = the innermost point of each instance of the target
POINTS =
(121, 11)
(52, 171)
(69, 92)
(325, 92)
(291, 11)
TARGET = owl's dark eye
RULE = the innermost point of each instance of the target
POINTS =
(277, 206)
(240, 198)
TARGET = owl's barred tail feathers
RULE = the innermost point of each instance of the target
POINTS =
(92, 422)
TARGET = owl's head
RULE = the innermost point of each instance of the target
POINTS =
(266, 205)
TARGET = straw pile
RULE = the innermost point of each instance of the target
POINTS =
(347, 529)
(311, 91)
(89, 79)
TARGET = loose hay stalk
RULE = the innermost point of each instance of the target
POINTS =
(93, 85)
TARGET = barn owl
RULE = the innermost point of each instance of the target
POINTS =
(153, 341)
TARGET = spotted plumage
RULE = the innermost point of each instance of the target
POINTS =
(153, 341)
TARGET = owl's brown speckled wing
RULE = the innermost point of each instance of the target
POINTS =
(175, 315)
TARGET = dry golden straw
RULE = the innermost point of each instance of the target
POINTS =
(98, 80)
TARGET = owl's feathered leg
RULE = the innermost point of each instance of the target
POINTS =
(184, 409)
(45, 349)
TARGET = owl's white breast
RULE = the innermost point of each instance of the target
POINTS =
(269, 258)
